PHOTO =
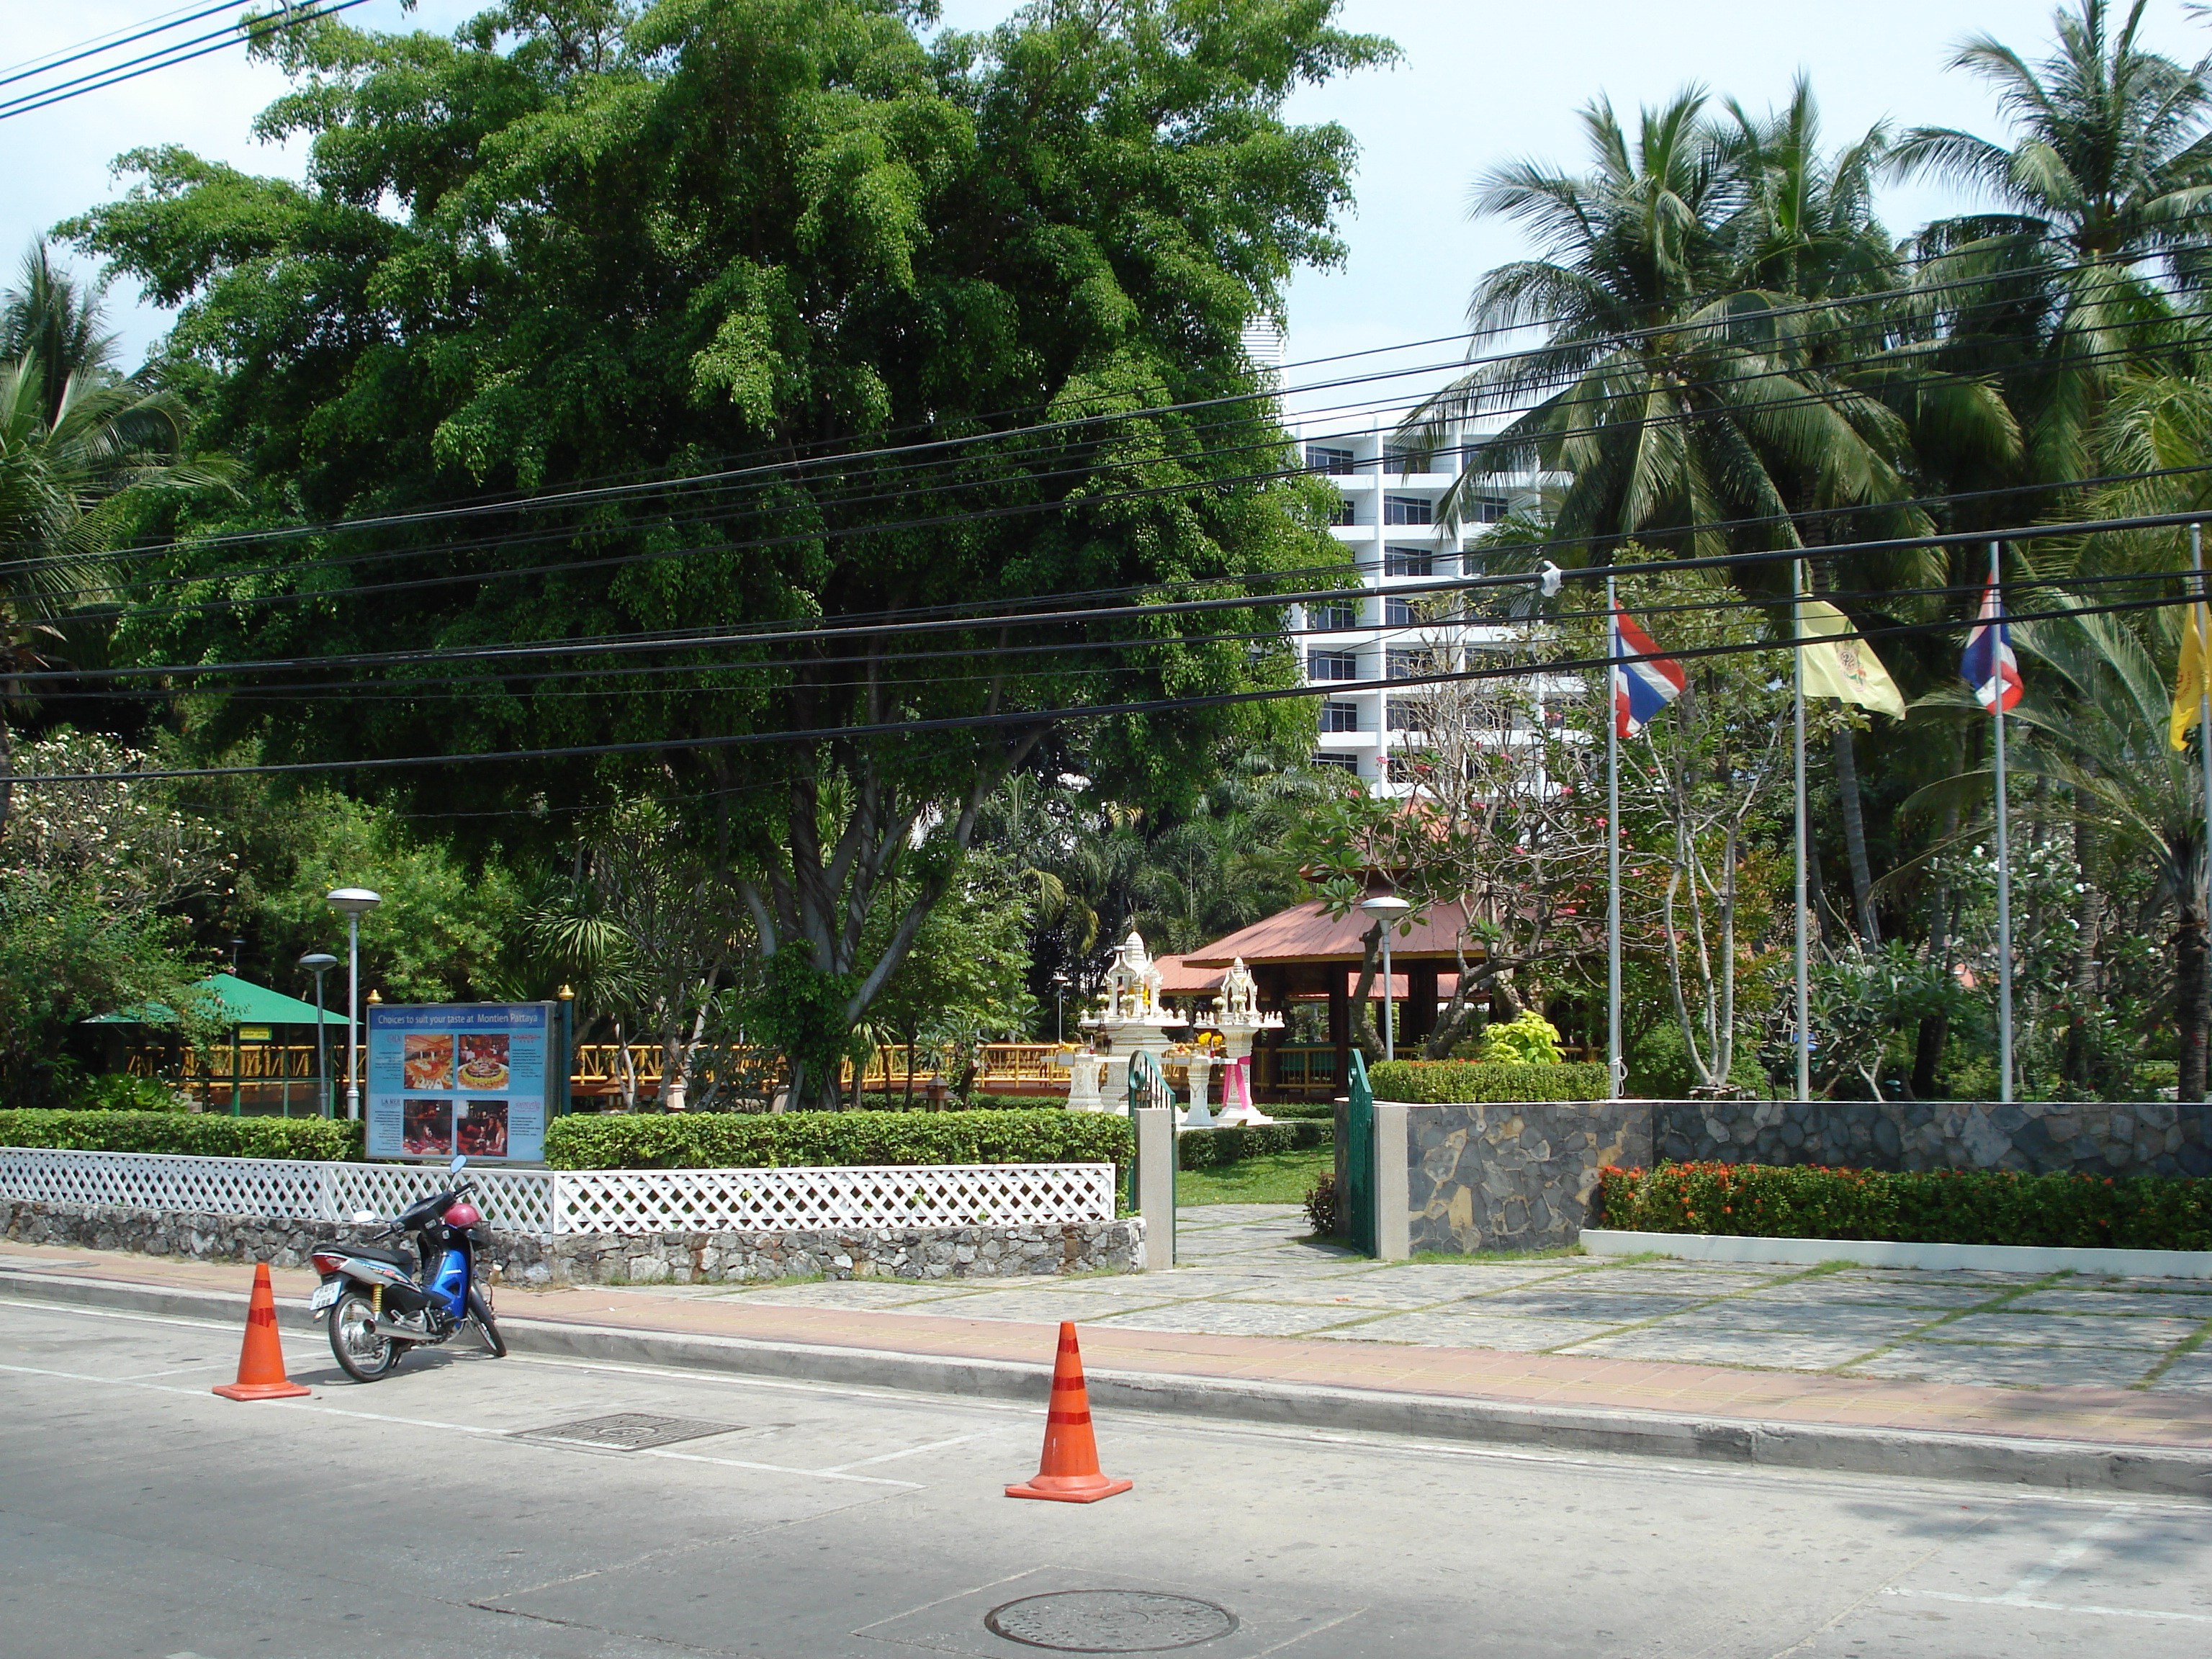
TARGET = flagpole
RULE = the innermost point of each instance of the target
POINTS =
(2005, 865)
(1615, 1069)
(2204, 697)
(1798, 667)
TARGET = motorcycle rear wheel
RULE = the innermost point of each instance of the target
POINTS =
(365, 1353)
(486, 1327)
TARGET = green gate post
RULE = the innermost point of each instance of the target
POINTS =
(1360, 1196)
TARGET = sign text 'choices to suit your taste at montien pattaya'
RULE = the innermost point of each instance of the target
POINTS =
(469, 1077)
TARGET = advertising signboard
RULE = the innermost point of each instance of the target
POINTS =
(477, 1078)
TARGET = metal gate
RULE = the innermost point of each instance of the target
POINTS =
(1359, 1197)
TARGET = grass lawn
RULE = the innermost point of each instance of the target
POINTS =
(1269, 1178)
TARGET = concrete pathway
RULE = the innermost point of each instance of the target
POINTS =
(1248, 1270)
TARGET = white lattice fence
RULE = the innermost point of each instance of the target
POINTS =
(788, 1201)
(545, 1202)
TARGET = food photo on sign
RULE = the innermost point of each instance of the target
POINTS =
(428, 1128)
(483, 1061)
(429, 1060)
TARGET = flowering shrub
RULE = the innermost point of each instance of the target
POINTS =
(1931, 1206)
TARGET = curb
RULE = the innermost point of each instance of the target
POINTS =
(1889, 1252)
(2065, 1465)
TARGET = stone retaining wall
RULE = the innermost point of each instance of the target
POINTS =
(619, 1259)
(1515, 1178)
(2042, 1138)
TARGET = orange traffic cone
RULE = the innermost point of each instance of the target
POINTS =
(261, 1361)
(1069, 1472)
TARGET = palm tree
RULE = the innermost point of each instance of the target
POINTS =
(2101, 735)
(65, 466)
(2111, 161)
(52, 318)
(1677, 393)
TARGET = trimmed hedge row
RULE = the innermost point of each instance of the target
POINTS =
(1934, 1206)
(733, 1140)
(1209, 1149)
(190, 1134)
(1323, 1111)
(1480, 1083)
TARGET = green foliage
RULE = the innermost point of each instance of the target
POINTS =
(727, 1140)
(122, 1093)
(1659, 1067)
(1936, 1207)
(1325, 1208)
(1531, 1040)
(189, 1135)
(65, 955)
(799, 1010)
(1322, 1109)
(1454, 1082)
(1206, 1149)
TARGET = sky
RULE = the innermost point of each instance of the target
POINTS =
(1478, 85)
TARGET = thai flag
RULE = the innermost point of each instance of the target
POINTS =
(1640, 689)
(1990, 666)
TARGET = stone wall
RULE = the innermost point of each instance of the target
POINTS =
(2042, 1138)
(1515, 1178)
(615, 1259)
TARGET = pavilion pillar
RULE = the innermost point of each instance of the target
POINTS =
(1340, 1026)
(1419, 1019)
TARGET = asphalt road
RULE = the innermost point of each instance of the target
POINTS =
(433, 1514)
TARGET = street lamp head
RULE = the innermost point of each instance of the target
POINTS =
(1385, 905)
(352, 900)
(316, 962)
(1061, 979)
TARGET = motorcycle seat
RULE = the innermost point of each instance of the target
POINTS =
(399, 1259)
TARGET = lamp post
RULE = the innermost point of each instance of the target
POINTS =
(1387, 909)
(1059, 984)
(320, 962)
(355, 902)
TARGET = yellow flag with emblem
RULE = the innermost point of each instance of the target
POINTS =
(1843, 668)
(2189, 684)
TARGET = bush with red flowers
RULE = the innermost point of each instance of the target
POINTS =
(1927, 1207)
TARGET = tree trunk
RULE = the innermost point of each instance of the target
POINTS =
(1847, 797)
(2088, 925)
(1364, 1036)
(7, 766)
(2188, 995)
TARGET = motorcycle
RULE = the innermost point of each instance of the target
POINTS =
(376, 1307)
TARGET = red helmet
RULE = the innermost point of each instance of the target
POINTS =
(463, 1215)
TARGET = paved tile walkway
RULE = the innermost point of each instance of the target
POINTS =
(1247, 1270)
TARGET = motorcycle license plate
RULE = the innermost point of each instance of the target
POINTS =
(324, 1297)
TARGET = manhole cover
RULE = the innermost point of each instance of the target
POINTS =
(628, 1430)
(1110, 1621)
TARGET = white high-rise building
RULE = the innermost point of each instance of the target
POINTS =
(1389, 527)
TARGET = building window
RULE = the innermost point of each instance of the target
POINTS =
(1336, 463)
(1340, 511)
(1408, 662)
(1336, 615)
(1407, 509)
(1488, 509)
(1408, 561)
(1397, 613)
(1400, 460)
(1341, 762)
(1336, 716)
(1332, 666)
(1401, 714)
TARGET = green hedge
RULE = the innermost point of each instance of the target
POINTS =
(1208, 1149)
(190, 1133)
(1456, 1082)
(1936, 1206)
(731, 1140)
(1321, 1110)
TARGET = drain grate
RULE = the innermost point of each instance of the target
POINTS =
(628, 1430)
(1110, 1621)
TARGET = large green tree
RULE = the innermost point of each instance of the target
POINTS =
(585, 243)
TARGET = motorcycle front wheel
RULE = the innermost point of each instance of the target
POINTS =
(480, 1311)
(365, 1353)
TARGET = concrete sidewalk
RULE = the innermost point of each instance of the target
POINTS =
(2099, 1386)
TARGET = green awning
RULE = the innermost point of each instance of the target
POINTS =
(243, 1004)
